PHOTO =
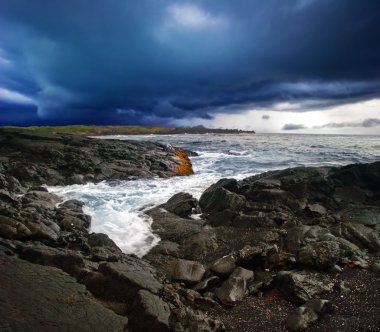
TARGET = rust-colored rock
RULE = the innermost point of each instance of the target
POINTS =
(185, 168)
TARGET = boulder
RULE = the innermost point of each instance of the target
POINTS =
(220, 196)
(307, 315)
(232, 290)
(322, 254)
(224, 266)
(299, 287)
(120, 281)
(149, 313)
(188, 271)
(245, 274)
(182, 204)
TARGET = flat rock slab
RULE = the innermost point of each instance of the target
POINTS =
(133, 273)
(40, 298)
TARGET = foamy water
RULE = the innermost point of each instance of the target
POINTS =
(118, 209)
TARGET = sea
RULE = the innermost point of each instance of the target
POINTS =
(117, 208)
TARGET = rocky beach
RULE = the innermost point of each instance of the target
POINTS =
(295, 249)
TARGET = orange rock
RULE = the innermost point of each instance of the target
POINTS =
(186, 168)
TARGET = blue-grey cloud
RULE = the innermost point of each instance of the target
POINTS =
(292, 126)
(367, 123)
(96, 61)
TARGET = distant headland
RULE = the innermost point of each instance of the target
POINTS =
(129, 130)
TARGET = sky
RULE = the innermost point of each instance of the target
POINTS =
(286, 66)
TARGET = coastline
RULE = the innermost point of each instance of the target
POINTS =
(125, 130)
(318, 224)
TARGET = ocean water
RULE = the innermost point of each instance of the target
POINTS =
(117, 209)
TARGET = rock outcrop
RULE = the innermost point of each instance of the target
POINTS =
(286, 234)
(36, 158)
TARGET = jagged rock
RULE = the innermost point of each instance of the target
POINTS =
(220, 197)
(299, 287)
(232, 290)
(323, 254)
(150, 313)
(182, 204)
(188, 271)
(224, 266)
(308, 314)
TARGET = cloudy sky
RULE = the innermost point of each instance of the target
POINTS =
(291, 66)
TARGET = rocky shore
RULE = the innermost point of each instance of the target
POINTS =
(297, 249)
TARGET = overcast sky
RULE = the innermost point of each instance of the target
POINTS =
(307, 66)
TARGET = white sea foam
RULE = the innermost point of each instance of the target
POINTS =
(118, 209)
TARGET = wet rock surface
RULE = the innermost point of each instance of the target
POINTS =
(267, 253)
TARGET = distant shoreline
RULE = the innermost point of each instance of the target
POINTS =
(127, 130)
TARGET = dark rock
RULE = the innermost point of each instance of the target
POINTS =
(362, 236)
(368, 216)
(323, 254)
(188, 271)
(102, 240)
(307, 315)
(41, 298)
(67, 260)
(301, 318)
(37, 158)
(12, 229)
(207, 284)
(299, 236)
(232, 290)
(132, 274)
(73, 205)
(150, 313)
(224, 266)
(299, 287)
(245, 274)
(220, 196)
(182, 204)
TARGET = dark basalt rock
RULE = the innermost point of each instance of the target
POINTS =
(182, 204)
(299, 287)
(36, 158)
(41, 298)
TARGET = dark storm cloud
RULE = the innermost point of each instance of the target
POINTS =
(367, 123)
(292, 126)
(148, 62)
